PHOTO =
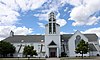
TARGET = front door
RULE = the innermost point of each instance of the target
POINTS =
(52, 52)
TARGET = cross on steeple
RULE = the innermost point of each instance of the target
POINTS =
(52, 23)
(52, 17)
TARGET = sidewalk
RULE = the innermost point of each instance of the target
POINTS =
(52, 58)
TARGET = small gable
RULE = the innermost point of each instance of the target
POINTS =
(78, 36)
(52, 43)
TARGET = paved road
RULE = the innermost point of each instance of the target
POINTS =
(53, 59)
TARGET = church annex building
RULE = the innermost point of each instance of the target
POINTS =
(52, 43)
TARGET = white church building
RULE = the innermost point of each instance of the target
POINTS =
(52, 43)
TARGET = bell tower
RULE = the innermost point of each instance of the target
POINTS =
(52, 28)
(52, 37)
(52, 23)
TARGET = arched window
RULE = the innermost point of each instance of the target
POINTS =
(77, 40)
(50, 28)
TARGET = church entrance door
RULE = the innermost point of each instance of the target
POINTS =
(52, 52)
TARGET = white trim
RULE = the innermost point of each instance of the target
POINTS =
(53, 46)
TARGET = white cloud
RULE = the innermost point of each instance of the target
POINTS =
(22, 30)
(82, 14)
(75, 2)
(9, 13)
(41, 25)
(5, 31)
(23, 5)
(42, 16)
(9, 9)
(93, 30)
(29, 4)
(63, 32)
(51, 5)
(61, 22)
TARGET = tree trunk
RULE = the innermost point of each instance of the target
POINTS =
(82, 54)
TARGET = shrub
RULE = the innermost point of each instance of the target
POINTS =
(63, 54)
(97, 54)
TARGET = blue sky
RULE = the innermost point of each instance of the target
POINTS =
(26, 17)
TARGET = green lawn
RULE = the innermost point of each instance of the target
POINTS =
(22, 59)
(80, 58)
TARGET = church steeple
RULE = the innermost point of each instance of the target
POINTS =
(52, 23)
(52, 36)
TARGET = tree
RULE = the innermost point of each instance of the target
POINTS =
(6, 48)
(82, 47)
(29, 50)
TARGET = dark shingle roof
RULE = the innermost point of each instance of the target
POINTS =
(65, 37)
(27, 38)
(38, 38)
(91, 37)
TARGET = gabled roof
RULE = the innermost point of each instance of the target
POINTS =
(27, 38)
(52, 43)
(91, 37)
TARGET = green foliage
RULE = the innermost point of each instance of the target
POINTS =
(6, 48)
(29, 50)
(82, 47)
